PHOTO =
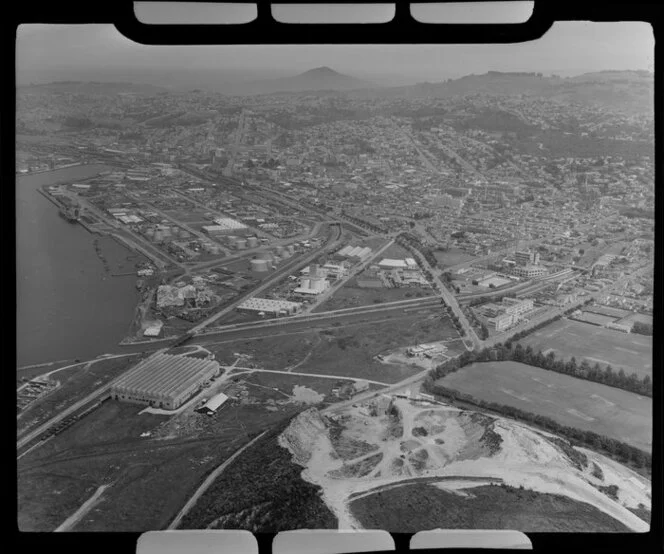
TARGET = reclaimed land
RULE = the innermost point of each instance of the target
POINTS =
(568, 338)
(419, 507)
(605, 410)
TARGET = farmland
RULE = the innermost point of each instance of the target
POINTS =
(568, 338)
(605, 410)
(424, 506)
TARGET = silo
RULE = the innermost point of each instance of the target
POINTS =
(252, 242)
(259, 266)
(241, 244)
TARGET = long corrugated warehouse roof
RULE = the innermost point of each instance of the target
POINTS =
(165, 375)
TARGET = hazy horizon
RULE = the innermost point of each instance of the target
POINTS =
(47, 53)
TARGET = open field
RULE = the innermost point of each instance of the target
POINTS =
(150, 477)
(452, 256)
(418, 507)
(568, 338)
(350, 351)
(75, 383)
(351, 295)
(608, 411)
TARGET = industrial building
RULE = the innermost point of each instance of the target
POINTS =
(164, 380)
(526, 257)
(358, 252)
(212, 405)
(267, 306)
(314, 283)
(529, 271)
(388, 263)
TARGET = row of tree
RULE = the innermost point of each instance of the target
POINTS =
(642, 328)
(615, 448)
(410, 241)
(517, 353)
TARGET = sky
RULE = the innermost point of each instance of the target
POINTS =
(99, 52)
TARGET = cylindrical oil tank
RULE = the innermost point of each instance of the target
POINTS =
(240, 244)
(305, 283)
(259, 265)
(252, 242)
(286, 254)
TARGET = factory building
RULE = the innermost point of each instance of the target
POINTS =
(268, 306)
(388, 263)
(529, 271)
(164, 380)
(526, 257)
(501, 321)
(314, 283)
(357, 252)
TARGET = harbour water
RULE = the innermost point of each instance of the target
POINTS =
(68, 304)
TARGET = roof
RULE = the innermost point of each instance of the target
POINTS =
(216, 401)
(165, 375)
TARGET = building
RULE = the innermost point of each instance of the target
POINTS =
(212, 405)
(355, 252)
(314, 283)
(526, 257)
(229, 223)
(517, 307)
(388, 263)
(500, 322)
(529, 271)
(624, 327)
(154, 330)
(267, 306)
(164, 380)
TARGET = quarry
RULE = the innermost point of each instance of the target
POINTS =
(389, 442)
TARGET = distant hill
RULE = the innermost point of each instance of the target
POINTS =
(630, 90)
(318, 79)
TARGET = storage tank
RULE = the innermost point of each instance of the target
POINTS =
(305, 283)
(258, 265)
(240, 244)
(252, 242)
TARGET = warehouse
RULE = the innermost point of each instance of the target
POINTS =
(164, 380)
(268, 306)
(212, 405)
